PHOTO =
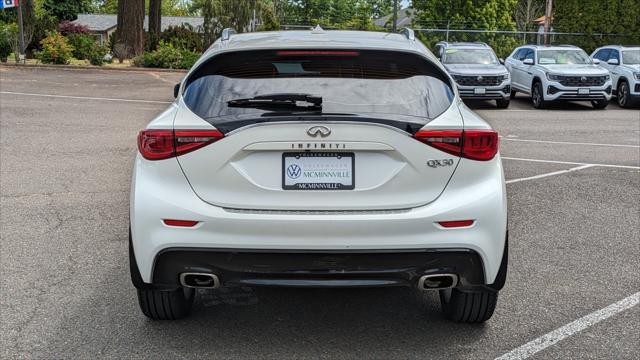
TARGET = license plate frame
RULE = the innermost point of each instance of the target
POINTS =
(479, 91)
(583, 91)
(344, 162)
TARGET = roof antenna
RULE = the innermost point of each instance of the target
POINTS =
(317, 30)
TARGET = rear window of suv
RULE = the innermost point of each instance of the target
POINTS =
(358, 82)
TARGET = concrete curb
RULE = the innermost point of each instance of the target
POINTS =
(86, 67)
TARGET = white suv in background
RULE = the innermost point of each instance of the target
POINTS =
(477, 71)
(552, 73)
(623, 62)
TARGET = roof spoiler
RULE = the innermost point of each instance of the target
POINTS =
(226, 33)
(408, 33)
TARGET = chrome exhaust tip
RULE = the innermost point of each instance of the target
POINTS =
(199, 280)
(437, 281)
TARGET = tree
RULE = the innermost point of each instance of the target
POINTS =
(66, 9)
(168, 7)
(155, 18)
(220, 14)
(130, 30)
(621, 17)
(357, 14)
(526, 11)
(589, 16)
(469, 14)
(466, 14)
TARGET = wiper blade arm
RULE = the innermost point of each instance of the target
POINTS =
(278, 100)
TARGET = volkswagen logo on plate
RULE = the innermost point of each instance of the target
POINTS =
(294, 171)
(314, 131)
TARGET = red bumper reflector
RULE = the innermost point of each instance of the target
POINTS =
(456, 223)
(182, 223)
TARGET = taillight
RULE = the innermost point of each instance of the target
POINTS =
(156, 144)
(449, 141)
(479, 145)
(163, 144)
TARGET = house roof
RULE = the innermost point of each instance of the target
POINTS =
(106, 22)
(405, 18)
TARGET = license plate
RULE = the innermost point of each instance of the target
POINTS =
(583, 91)
(481, 91)
(318, 171)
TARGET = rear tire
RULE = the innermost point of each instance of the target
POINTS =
(502, 103)
(467, 306)
(159, 304)
(165, 304)
(599, 104)
(622, 94)
(537, 96)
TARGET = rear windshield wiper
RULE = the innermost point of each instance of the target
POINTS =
(287, 100)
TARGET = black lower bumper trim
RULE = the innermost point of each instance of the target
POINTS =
(317, 268)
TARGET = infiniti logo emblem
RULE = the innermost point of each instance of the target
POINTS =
(323, 131)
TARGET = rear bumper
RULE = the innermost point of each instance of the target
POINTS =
(476, 191)
(238, 267)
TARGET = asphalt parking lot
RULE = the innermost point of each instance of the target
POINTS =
(67, 142)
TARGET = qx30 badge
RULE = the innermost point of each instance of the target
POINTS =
(321, 130)
(438, 163)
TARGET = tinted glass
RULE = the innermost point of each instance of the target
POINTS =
(350, 82)
(631, 57)
(615, 54)
(563, 57)
(529, 55)
(469, 56)
(602, 55)
(519, 54)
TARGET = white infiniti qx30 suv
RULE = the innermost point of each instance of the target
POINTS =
(318, 159)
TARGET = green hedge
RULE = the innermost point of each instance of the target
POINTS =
(55, 49)
(167, 56)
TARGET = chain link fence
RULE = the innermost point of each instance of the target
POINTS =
(503, 42)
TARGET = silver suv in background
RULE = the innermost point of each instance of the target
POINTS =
(623, 63)
(478, 72)
(561, 72)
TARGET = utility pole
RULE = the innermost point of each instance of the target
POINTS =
(547, 21)
(253, 21)
(21, 28)
(394, 27)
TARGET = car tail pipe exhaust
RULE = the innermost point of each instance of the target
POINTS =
(437, 281)
(199, 280)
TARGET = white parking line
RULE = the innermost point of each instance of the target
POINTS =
(572, 163)
(570, 329)
(546, 110)
(569, 143)
(86, 97)
(548, 174)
